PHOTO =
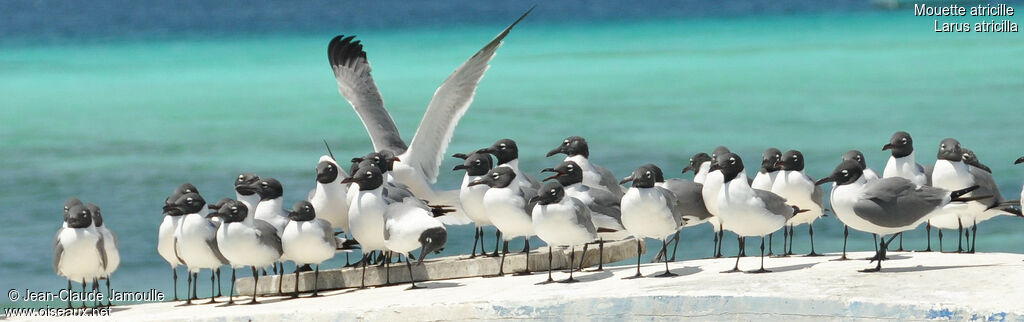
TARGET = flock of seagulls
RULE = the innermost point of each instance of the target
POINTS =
(385, 204)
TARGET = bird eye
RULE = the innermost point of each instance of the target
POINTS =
(857, 158)
(188, 199)
(569, 166)
(648, 173)
(566, 142)
(845, 172)
(264, 183)
(369, 174)
(904, 140)
(552, 191)
(778, 155)
(495, 176)
(691, 160)
(477, 161)
(240, 177)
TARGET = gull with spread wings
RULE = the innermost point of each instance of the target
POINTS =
(418, 163)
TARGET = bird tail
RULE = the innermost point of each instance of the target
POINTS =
(797, 210)
(440, 210)
(345, 245)
(956, 194)
(455, 217)
(606, 230)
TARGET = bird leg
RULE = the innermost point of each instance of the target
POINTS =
(188, 289)
(959, 235)
(900, 249)
(497, 241)
(714, 249)
(792, 236)
(174, 275)
(213, 281)
(721, 239)
(549, 268)
(974, 240)
(231, 291)
(736, 268)
(526, 250)
(412, 279)
(883, 245)
(785, 241)
(846, 234)
(476, 237)
(362, 281)
(572, 259)
(762, 270)
(675, 248)
(667, 273)
(638, 275)
(928, 230)
(316, 279)
(255, 283)
(69, 298)
(940, 239)
(810, 231)
(770, 244)
(110, 293)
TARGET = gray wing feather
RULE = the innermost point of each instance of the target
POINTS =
(212, 244)
(606, 203)
(583, 215)
(927, 173)
(176, 254)
(528, 193)
(533, 181)
(450, 102)
(673, 204)
(328, 232)
(267, 235)
(818, 196)
(58, 251)
(690, 198)
(897, 202)
(608, 180)
(986, 186)
(396, 192)
(352, 71)
(775, 203)
(103, 252)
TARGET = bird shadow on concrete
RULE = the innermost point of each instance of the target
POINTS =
(433, 285)
(780, 269)
(684, 271)
(594, 276)
(920, 268)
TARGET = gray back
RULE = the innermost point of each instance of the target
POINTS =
(775, 203)
(897, 202)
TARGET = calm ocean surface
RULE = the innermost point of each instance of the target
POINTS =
(122, 120)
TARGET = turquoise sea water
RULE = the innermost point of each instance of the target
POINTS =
(121, 123)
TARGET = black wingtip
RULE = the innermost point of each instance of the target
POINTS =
(606, 230)
(438, 211)
(797, 210)
(342, 50)
(955, 195)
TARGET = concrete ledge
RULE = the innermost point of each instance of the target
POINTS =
(444, 268)
(912, 286)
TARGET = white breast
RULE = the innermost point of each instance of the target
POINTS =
(240, 245)
(764, 180)
(331, 203)
(645, 213)
(702, 173)
(905, 167)
(556, 225)
(591, 177)
(272, 212)
(192, 235)
(81, 259)
(165, 239)
(304, 243)
(507, 213)
(366, 219)
(472, 199)
(745, 213)
(405, 225)
(712, 187)
(797, 188)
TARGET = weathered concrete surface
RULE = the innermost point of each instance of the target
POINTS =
(445, 268)
(912, 286)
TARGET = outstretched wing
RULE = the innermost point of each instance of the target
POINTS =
(352, 71)
(450, 103)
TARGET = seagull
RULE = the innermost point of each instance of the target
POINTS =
(712, 187)
(420, 160)
(476, 165)
(903, 164)
(763, 180)
(110, 251)
(996, 206)
(411, 224)
(575, 149)
(748, 211)
(196, 242)
(951, 173)
(699, 163)
(869, 175)
(649, 211)
(561, 221)
(71, 202)
(507, 153)
(366, 212)
(689, 202)
(509, 209)
(246, 241)
(604, 206)
(169, 225)
(886, 206)
(329, 197)
(794, 185)
(307, 240)
(78, 250)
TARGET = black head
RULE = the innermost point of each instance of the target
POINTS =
(185, 188)
(573, 145)
(302, 211)
(720, 150)
(270, 189)
(505, 150)
(432, 240)
(232, 211)
(846, 172)
(695, 161)
(643, 177)
(73, 201)
(901, 144)
(730, 164)
(972, 159)
(549, 193)
(368, 177)
(247, 184)
(567, 173)
(384, 159)
(79, 217)
(792, 160)
(476, 164)
(770, 160)
(97, 217)
(326, 171)
(1019, 160)
(950, 150)
(191, 203)
(219, 203)
(499, 177)
(658, 175)
(856, 156)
